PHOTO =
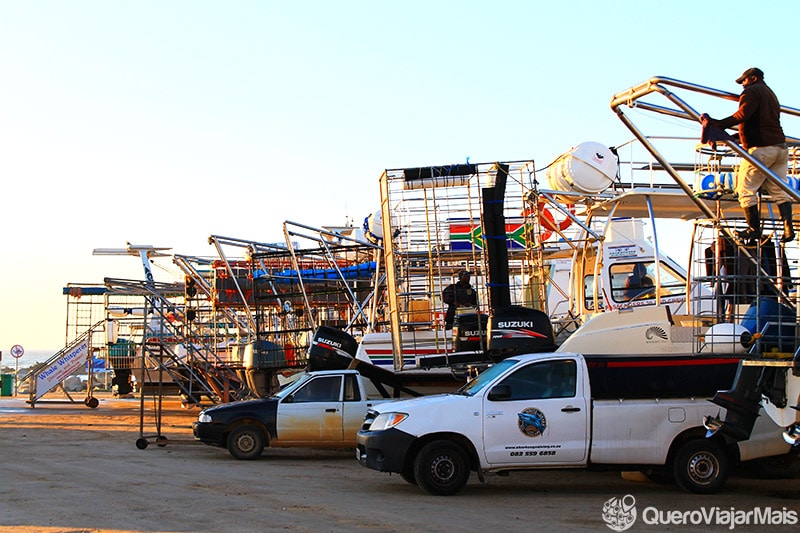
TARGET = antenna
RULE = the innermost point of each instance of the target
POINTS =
(143, 251)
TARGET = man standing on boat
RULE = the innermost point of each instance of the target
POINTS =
(760, 133)
(459, 294)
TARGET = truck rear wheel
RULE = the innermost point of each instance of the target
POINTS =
(701, 467)
(441, 468)
(246, 442)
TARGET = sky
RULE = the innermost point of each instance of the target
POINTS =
(163, 123)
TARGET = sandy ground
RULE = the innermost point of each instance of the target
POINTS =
(68, 468)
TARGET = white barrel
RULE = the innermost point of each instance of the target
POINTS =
(726, 338)
(373, 227)
(713, 186)
(120, 312)
(587, 169)
(112, 331)
(248, 356)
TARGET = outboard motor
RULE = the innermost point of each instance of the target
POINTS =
(469, 330)
(331, 349)
(262, 359)
(515, 330)
(742, 404)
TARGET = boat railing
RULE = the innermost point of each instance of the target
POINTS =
(752, 274)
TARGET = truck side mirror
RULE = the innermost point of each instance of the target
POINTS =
(499, 393)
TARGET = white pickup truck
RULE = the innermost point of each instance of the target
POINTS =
(322, 409)
(536, 411)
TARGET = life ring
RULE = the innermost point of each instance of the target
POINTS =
(547, 222)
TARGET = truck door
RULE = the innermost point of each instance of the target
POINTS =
(537, 415)
(313, 413)
(354, 408)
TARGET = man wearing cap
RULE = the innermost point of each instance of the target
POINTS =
(458, 294)
(760, 133)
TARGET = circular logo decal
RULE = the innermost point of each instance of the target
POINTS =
(532, 422)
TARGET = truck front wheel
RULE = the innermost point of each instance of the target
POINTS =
(246, 442)
(408, 475)
(701, 467)
(441, 468)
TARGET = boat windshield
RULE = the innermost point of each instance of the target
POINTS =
(636, 281)
(473, 386)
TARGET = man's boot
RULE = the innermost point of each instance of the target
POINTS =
(752, 216)
(785, 210)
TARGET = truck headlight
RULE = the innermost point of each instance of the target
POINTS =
(387, 421)
(204, 418)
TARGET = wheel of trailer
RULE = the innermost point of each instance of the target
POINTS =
(91, 402)
(701, 466)
(161, 441)
(441, 468)
(245, 442)
(141, 443)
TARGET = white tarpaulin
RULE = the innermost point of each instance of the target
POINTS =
(62, 368)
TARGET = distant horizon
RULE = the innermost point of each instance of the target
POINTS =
(30, 357)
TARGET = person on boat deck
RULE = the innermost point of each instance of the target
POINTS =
(638, 282)
(761, 134)
(721, 267)
(458, 294)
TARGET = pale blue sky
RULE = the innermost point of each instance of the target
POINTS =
(163, 122)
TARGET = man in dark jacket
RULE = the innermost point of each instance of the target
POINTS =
(459, 294)
(760, 133)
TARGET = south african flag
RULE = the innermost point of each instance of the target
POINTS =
(466, 235)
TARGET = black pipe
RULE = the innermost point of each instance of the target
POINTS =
(494, 233)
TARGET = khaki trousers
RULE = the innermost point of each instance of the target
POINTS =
(750, 179)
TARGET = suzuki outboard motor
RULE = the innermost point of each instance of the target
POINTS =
(331, 349)
(515, 330)
(469, 330)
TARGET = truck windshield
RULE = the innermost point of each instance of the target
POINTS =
(292, 384)
(487, 376)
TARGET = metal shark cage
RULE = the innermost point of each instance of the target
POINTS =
(435, 221)
(324, 277)
(220, 302)
(432, 225)
(754, 296)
